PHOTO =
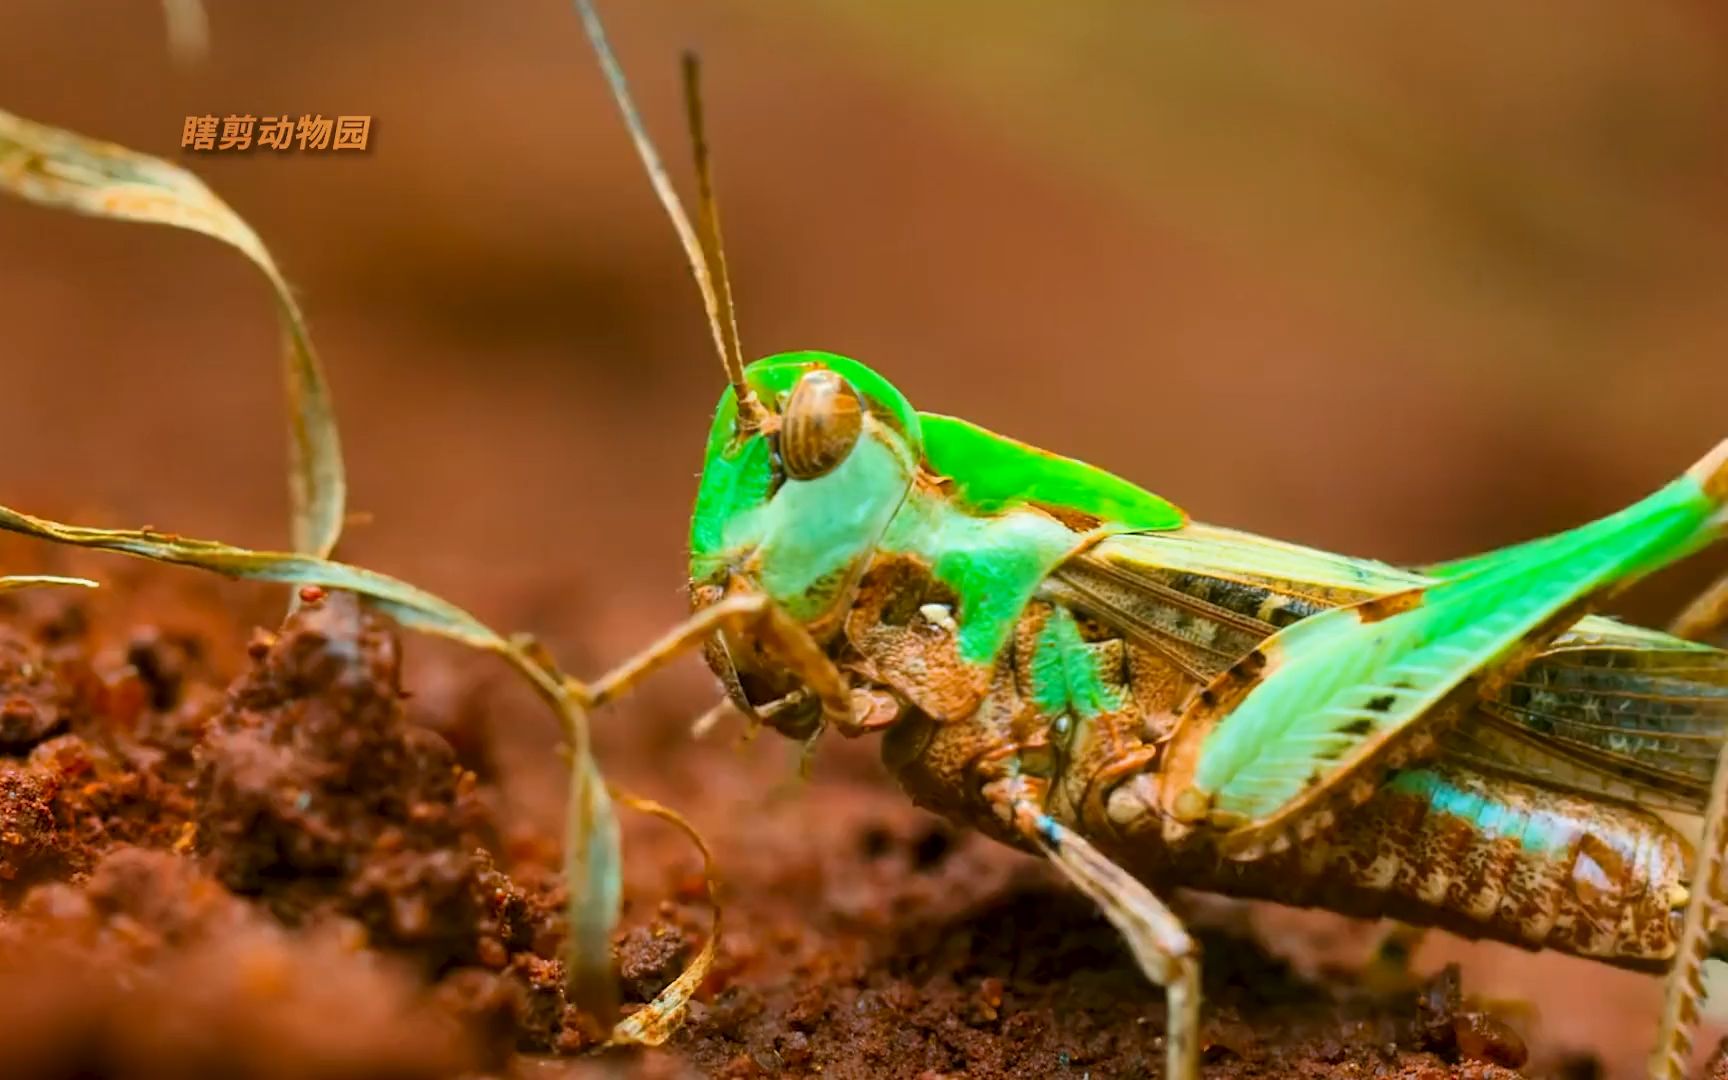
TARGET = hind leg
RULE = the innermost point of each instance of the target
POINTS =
(1706, 616)
(1683, 989)
(1162, 948)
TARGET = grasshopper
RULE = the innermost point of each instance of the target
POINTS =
(1072, 665)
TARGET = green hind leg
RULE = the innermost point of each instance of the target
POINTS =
(1708, 614)
(1320, 710)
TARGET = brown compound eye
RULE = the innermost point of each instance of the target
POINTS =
(819, 426)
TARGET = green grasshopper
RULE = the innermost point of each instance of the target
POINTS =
(1072, 665)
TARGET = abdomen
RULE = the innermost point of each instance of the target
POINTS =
(1474, 852)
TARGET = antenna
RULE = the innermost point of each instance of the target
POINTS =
(716, 289)
(708, 212)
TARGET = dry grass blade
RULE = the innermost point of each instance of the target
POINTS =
(408, 605)
(655, 1022)
(592, 852)
(595, 891)
(52, 167)
(13, 582)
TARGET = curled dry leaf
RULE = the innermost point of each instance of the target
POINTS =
(54, 167)
(655, 1022)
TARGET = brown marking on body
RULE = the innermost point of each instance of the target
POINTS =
(1250, 666)
(917, 659)
(943, 766)
(1078, 521)
(1020, 652)
(1158, 688)
(1384, 607)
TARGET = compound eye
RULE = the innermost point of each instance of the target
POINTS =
(819, 426)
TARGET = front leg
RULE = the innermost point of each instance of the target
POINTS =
(1163, 949)
(752, 614)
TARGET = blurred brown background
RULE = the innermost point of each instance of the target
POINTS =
(1407, 282)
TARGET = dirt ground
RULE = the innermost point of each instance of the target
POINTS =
(1404, 295)
(306, 870)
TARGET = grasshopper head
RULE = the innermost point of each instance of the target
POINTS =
(794, 504)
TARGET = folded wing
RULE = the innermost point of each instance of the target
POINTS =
(1605, 708)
